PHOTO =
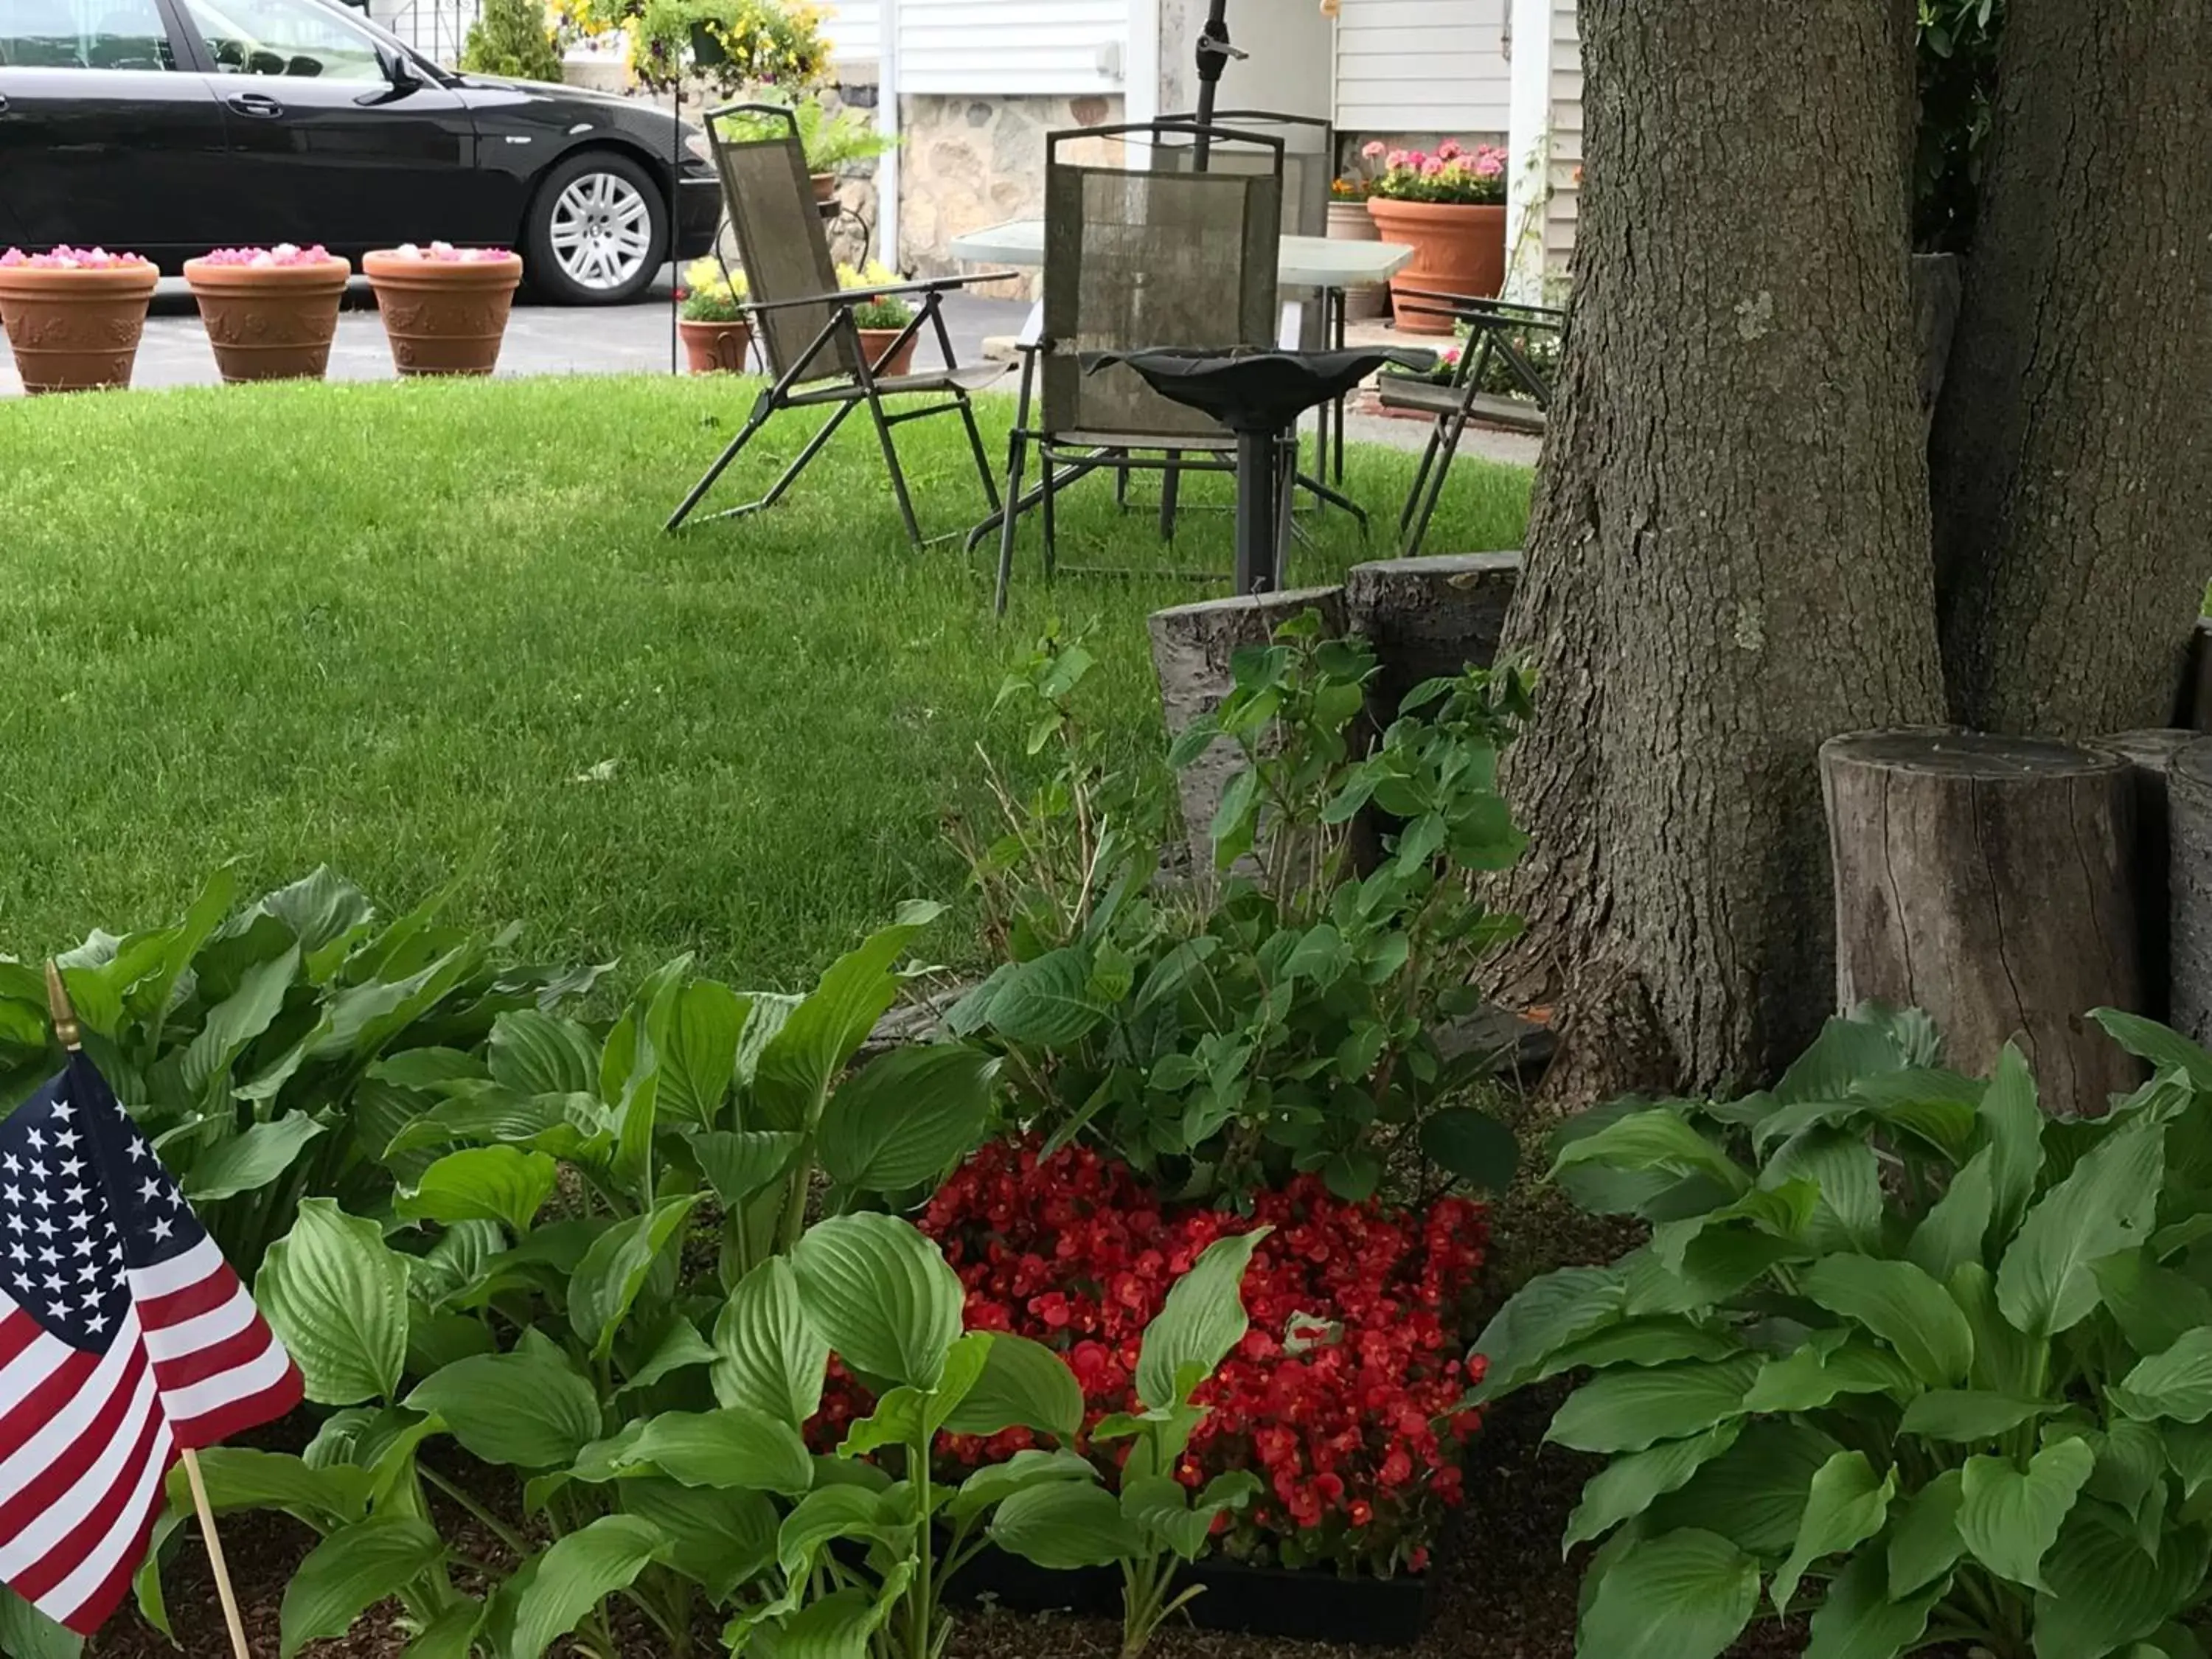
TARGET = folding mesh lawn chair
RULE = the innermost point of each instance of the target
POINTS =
(1134, 259)
(804, 322)
(1505, 377)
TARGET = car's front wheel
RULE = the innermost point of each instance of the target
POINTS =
(598, 230)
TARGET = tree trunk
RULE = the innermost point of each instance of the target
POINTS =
(1729, 558)
(2073, 449)
(2151, 754)
(1990, 881)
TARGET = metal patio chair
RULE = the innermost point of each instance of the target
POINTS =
(1134, 259)
(804, 322)
(1502, 336)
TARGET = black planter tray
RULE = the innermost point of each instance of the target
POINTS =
(1312, 1607)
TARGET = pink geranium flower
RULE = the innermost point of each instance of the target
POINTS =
(283, 254)
(1489, 164)
(1374, 150)
(1433, 168)
(72, 258)
(445, 253)
(1449, 149)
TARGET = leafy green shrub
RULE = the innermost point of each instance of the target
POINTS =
(832, 139)
(1958, 71)
(1900, 1350)
(512, 38)
(1290, 1016)
(253, 1043)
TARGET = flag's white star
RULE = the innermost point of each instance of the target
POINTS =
(162, 1230)
(18, 1251)
(43, 1199)
(66, 1138)
(38, 1170)
(38, 1141)
(54, 1282)
(18, 1222)
(90, 1271)
(137, 1149)
(97, 1321)
(74, 1194)
(12, 1165)
(73, 1167)
(92, 1302)
(46, 1228)
(14, 1194)
(81, 1220)
(149, 1190)
(64, 1110)
(86, 1246)
(23, 1281)
(59, 1308)
(50, 1256)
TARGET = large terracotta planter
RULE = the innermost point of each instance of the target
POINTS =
(876, 341)
(443, 317)
(715, 347)
(270, 322)
(1351, 222)
(75, 330)
(1457, 249)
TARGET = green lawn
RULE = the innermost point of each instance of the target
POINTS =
(387, 627)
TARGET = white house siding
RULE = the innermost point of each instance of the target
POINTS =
(1566, 148)
(1021, 48)
(854, 28)
(1422, 66)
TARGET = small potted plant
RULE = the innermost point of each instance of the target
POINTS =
(833, 139)
(881, 318)
(1449, 208)
(271, 312)
(445, 308)
(717, 332)
(74, 315)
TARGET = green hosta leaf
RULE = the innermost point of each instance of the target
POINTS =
(2189, 1453)
(1967, 1415)
(1658, 1141)
(734, 1448)
(1859, 1618)
(1844, 1506)
(678, 1348)
(831, 1512)
(2103, 1591)
(2176, 1384)
(234, 1024)
(707, 1020)
(436, 1341)
(1023, 1384)
(240, 1477)
(1752, 1494)
(908, 1117)
(2005, 1361)
(1829, 1364)
(337, 1297)
(350, 1572)
(2154, 1306)
(2009, 1519)
(2167, 1050)
(1202, 1319)
(607, 1281)
(1955, 1229)
(1900, 1304)
(820, 1036)
(450, 1635)
(768, 1355)
(1061, 1525)
(483, 1183)
(1841, 1165)
(1685, 1595)
(1471, 1145)
(912, 1417)
(737, 1165)
(881, 1295)
(1629, 1410)
(2013, 1124)
(840, 1626)
(2045, 1282)
(1847, 1051)
(1626, 1487)
(1924, 1544)
(1048, 1001)
(994, 1483)
(248, 1162)
(1639, 1342)
(720, 1540)
(578, 1572)
(27, 1633)
(1548, 1314)
(526, 1409)
(534, 1053)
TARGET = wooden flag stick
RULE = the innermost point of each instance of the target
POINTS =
(65, 1028)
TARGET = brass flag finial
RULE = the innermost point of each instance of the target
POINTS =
(59, 1009)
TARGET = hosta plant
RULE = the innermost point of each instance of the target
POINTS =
(253, 1041)
(1901, 1353)
(1292, 1016)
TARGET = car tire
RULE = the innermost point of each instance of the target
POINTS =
(582, 243)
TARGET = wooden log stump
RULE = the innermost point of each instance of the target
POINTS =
(1193, 646)
(2189, 951)
(1987, 880)
(2151, 755)
(1428, 618)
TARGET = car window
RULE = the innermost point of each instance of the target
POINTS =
(107, 35)
(283, 37)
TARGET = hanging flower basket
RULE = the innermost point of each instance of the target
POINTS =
(445, 308)
(73, 316)
(270, 313)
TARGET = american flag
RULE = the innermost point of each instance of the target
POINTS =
(125, 1339)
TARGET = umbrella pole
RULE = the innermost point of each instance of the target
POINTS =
(1215, 52)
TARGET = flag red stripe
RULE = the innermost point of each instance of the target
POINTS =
(214, 1359)
(80, 1540)
(74, 1457)
(17, 1331)
(158, 1312)
(107, 1595)
(237, 1416)
(26, 1418)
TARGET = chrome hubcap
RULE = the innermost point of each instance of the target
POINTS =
(602, 231)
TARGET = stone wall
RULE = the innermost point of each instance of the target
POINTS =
(976, 161)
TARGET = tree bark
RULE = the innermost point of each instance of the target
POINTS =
(1728, 557)
(2151, 753)
(1990, 882)
(2073, 447)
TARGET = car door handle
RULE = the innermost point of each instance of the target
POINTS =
(254, 103)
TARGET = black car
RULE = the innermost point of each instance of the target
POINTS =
(169, 127)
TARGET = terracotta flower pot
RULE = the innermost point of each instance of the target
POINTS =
(270, 322)
(74, 331)
(443, 316)
(825, 188)
(1457, 249)
(878, 340)
(715, 347)
(1351, 222)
